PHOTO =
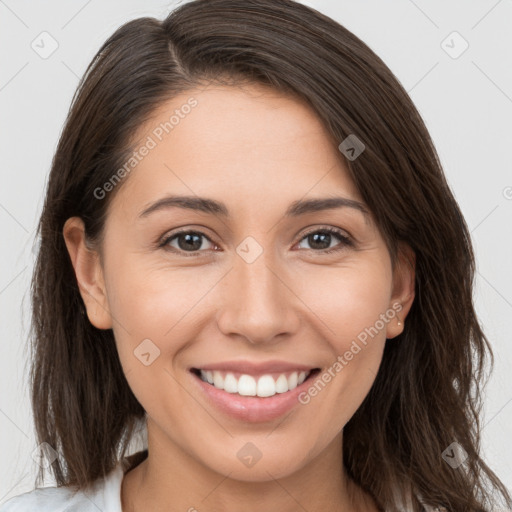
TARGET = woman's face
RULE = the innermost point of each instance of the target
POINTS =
(252, 282)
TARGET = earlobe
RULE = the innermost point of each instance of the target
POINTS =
(404, 278)
(88, 272)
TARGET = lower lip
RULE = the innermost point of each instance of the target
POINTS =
(252, 408)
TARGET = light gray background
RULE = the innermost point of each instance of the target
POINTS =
(465, 102)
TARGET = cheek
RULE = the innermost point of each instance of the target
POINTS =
(154, 319)
(347, 299)
(347, 303)
(148, 299)
(155, 303)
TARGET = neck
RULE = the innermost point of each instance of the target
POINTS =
(171, 480)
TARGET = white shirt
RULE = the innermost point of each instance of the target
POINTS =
(105, 496)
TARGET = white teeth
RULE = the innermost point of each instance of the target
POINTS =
(218, 380)
(230, 383)
(266, 386)
(282, 384)
(247, 385)
(302, 377)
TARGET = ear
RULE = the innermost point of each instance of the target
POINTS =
(403, 289)
(89, 273)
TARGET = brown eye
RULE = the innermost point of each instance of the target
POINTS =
(320, 240)
(186, 242)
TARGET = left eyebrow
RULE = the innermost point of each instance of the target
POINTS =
(329, 203)
(212, 206)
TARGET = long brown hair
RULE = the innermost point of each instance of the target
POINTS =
(427, 393)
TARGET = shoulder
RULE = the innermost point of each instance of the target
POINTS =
(104, 495)
(48, 499)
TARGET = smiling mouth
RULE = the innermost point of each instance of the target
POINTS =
(262, 386)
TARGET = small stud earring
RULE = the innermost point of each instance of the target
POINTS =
(399, 323)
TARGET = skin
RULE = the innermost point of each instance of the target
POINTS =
(257, 151)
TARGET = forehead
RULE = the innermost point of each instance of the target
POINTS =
(249, 143)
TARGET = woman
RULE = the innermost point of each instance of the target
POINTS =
(248, 244)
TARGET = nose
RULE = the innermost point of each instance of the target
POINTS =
(258, 302)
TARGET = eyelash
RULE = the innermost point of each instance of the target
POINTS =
(345, 241)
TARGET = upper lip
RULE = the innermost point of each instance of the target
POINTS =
(256, 368)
